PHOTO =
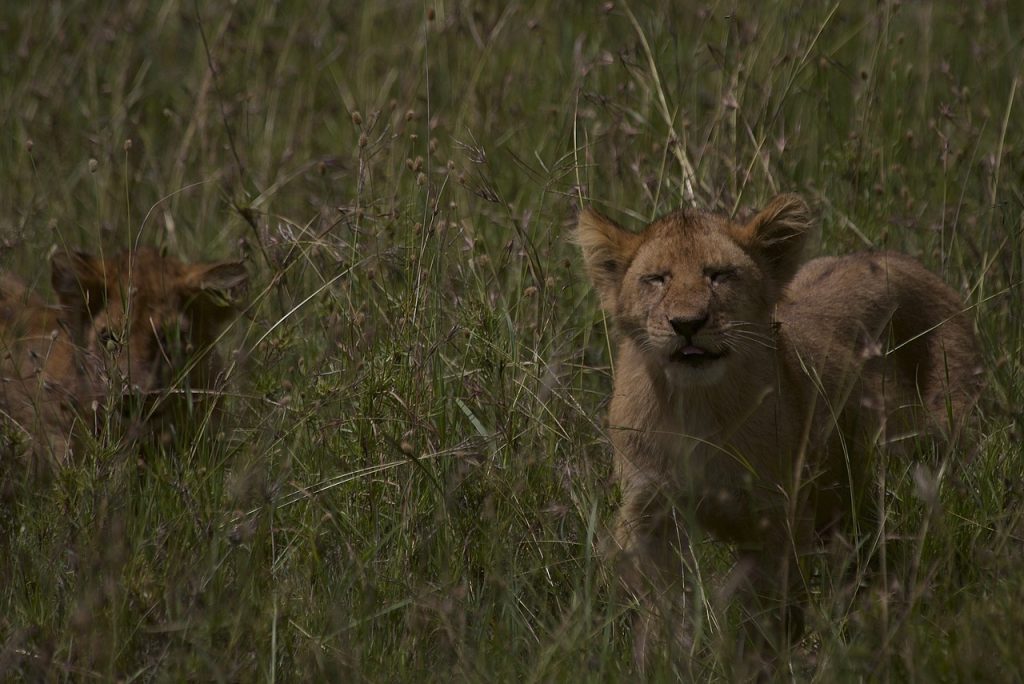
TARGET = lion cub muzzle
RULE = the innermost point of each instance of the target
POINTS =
(689, 350)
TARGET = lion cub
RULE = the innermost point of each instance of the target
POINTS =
(137, 326)
(750, 392)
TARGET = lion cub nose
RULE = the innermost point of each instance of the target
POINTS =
(687, 327)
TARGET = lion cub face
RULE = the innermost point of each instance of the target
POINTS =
(141, 317)
(695, 291)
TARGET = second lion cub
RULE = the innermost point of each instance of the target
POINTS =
(133, 330)
(751, 391)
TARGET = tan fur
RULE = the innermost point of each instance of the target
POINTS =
(769, 446)
(126, 327)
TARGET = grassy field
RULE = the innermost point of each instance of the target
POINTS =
(411, 479)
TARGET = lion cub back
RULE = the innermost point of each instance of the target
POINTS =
(884, 324)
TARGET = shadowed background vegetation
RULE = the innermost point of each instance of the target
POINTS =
(410, 481)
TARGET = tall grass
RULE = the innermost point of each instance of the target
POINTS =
(411, 480)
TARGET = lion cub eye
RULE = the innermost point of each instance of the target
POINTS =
(108, 340)
(654, 279)
(719, 275)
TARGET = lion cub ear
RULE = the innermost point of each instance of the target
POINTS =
(216, 288)
(778, 234)
(607, 251)
(80, 281)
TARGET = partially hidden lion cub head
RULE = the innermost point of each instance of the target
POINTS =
(695, 290)
(144, 320)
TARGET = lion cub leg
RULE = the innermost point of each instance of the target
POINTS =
(650, 544)
(774, 595)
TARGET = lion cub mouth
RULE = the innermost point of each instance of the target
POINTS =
(692, 355)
